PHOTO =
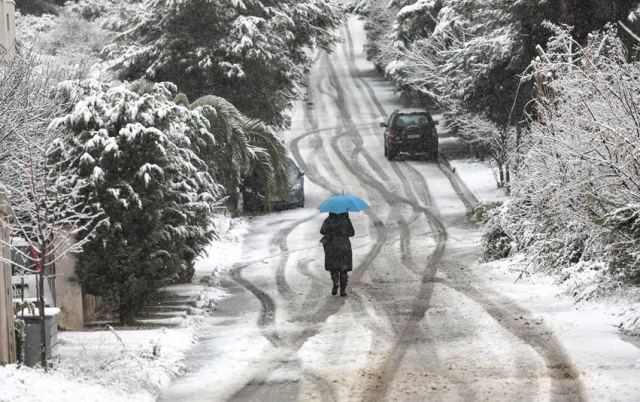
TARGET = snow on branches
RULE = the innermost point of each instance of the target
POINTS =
(252, 53)
(40, 186)
(452, 61)
(577, 193)
(44, 193)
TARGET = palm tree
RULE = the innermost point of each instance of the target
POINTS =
(243, 147)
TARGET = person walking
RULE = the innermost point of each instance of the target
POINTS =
(336, 230)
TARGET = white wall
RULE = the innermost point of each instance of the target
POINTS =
(8, 25)
(7, 344)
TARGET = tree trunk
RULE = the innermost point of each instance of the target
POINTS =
(125, 313)
(43, 329)
(43, 333)
(507, 178)
(564, 12)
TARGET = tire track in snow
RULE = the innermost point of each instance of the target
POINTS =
(330, 307)
(566, 381)
(422, 301)
(314, 293)
(267, 310)
(280, 240)
(403, 225)
(419, 183)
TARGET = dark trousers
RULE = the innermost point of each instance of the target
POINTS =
(340, 278)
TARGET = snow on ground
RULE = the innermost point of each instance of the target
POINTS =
(231, 358)
(130, 364)
(479, 178)
(590, 330)
(27, 384)
(226, 251)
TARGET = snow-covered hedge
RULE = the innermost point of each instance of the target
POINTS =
(575, 208)
(445, 49)
(147, 160)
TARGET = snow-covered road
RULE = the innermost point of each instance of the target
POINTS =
(418, 323)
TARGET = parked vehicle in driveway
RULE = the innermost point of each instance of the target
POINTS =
(410, 131)
(254, 189)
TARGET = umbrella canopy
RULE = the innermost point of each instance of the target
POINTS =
(343, 203)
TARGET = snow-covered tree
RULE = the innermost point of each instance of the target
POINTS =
(464, 57)
(252, 53)
(468, 55)
(43, 192)
(144, 156)
(160, 168)
(243, 147)
(576, 200)
(487, 137)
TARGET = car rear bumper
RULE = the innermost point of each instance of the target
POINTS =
(415, 146)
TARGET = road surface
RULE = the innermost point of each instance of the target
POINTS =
(418, 324)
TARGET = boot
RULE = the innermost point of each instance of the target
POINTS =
(335, 277)
(344, 279)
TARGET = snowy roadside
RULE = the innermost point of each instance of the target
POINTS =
(479, 178)
(118, 365)
(129, 364)
(589, 331)
(609, 369)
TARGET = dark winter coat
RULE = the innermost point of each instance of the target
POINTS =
(337, 229)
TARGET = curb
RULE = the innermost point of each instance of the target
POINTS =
(467, 197)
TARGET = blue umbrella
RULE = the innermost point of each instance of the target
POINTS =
(343, 203)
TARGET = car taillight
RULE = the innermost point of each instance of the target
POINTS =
(392, 134)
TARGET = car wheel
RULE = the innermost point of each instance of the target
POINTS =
(391, 154)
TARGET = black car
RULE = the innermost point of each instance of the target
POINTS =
(253, 192)
(411, 131)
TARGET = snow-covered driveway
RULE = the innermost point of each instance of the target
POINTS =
(418, 324)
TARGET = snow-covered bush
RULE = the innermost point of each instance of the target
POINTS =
(65, 39)
(137, 365)
(496, 244)
(359, 7)
(145, 157)
(630, 319)
(30, 27)
(497, 141)
(574, 207)
(89, 10)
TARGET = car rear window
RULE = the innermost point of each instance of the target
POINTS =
(412, 120)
